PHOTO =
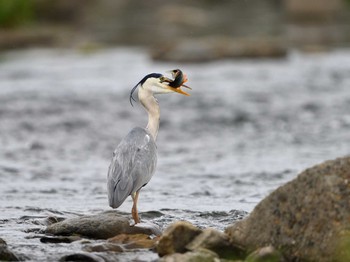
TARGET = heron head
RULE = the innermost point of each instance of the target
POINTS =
(157, 84)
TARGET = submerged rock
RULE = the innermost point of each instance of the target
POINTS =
(307, 219)
(5, 253)
(82, 257)
(176, 237)
(134, 241)
(104, 247)
(101, 226)
(59, 239)
(124, 242)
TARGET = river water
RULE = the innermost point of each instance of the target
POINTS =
(248, 127)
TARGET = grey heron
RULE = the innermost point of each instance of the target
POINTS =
(135, 158)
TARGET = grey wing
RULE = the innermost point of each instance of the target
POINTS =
(119, 185)
(132, 166)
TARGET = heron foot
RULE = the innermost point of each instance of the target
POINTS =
(132, 222)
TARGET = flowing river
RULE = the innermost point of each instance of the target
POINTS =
(248, 127)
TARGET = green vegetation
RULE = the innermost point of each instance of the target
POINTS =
(343, 246)
(15, 12)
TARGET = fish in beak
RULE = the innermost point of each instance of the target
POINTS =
(178, 81)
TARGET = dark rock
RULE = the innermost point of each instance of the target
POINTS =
(176, 237)
(59, 239)
(5, 253)
(104, 247)
(202, 255)
(82, 257)
(217, 242)
(265, 254)
(101, 226)
(307, 219)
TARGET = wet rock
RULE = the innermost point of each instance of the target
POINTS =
(176, 237)
(104, 247)
(202, 255)
(52, 220)
(135, 241)
(59, 239)
(265, 254)
(147, 228)
(5, 253)
(101, 226)
(211, 48)
(124, 242)
(217, 242)
(308, 218)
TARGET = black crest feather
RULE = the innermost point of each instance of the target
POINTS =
(143, 80)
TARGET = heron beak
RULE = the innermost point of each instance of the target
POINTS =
(178, 90)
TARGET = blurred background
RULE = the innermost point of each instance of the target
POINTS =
(180, 30)
(270, 98)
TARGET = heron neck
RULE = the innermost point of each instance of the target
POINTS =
(150, 103)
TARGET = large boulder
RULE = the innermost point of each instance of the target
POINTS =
(101, 226)
(308, 219)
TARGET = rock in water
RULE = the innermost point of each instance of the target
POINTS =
(5, 253)
(82, 257)
(135, 241)
(59, 239)
(176, 237)
(217, 242)
(101, 226)
(307, 219)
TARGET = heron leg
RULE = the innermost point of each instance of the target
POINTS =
(135, 214)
